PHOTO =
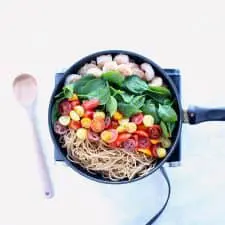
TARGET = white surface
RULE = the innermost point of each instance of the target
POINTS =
(42, 37)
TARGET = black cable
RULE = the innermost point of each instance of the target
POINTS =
(154, 218)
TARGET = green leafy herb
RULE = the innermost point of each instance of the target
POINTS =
(68, 90)
(92, 85)
(55, 109)
(150, 109)
(80, 83)
(167, 113)
(138, 101)
(159, 90)
(128, 110)
(164, 129)
(113, 77)
(127, 98)
(135, 84)
(170, 128)
(114, 91)
(111, 106)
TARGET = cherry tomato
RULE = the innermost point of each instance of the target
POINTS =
(89, 114)
(109, 136)
(141, 133)
(154, 150)
(113, 144)
(91, 104)
(142, 127)
(121, 138)
(97, 125)
(64, 108)
(107, 122)
(138, 118)
(114, 124)
(74, 103)
(155, 132)
(92, 136)
(135, 137)
(129, 144)
(74, 124)
(143, 142)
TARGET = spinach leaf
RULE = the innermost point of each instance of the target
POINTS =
(55, 109)
(80, 83)
(135, 84)
(92, 85)
(126, 97)
(138, 101)
(150, 109)
(170, 128)
(167, 113)
(113, 77)
(114, 91)
(111, 106)
(159, 90)
(68, 90)
(164, 129)
(128, 110)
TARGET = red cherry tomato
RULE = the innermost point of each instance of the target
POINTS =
(135, 137)
(91, 104)
(89, 114)
(74, 103)
(155, 132)
(97, 125)
(121, 138)
(114, 135)
(92, 136)
(142, 127)
(113, 144)
(64, 108)
(143, 142)
(138, 118)
(141, 133)
(154, 150)
(114, 124)
(74, 124)
(107, 122)
(129, 144)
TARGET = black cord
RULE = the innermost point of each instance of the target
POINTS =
(153, 219)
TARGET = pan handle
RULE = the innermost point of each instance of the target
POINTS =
(195, 114)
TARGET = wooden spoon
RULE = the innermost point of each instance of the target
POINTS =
(25, 90)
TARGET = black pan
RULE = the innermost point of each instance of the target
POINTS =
(193, 115)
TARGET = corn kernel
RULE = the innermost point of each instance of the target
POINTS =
(121, 129)
(79, 110)
(64, 120)
(130, 127)
(145, 151)
(123, 121)
(74, 116)
(117, 116)
(81, 133)
(86, 122)
(148, 120)
(99, 115)
(161, 152)
(73, 98)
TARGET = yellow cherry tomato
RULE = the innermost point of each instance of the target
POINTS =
(99, 115)
(146, 151)
(79, 110)
(81, 133)
(73, 98)
(121, 129)
(86, 122)
(74, 116)
(130, 127)
(64, 120)
(123, 121)
(161, 152)
(165, 142)
(106, 136)
(117, 116)
(154, 141)
(148, 120)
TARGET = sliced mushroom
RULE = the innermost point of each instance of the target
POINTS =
(110, 66)
(101, 60)
(72, 78)
(156, 82)
(95, 71)
(149, 72)
(121, 59)
(124, 69)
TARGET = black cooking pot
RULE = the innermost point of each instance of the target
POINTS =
(193, 115)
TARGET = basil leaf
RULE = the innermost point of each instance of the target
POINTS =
(138, 101)
(150, 109)
(111, 106)
(164, 129)
(167, 113)
(128, 110)
(113, 77)
(135, 84)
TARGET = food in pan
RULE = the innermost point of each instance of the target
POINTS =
(114, 117)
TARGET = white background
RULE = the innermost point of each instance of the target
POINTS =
(43, 37)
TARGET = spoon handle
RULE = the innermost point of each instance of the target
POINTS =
(42, 164)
